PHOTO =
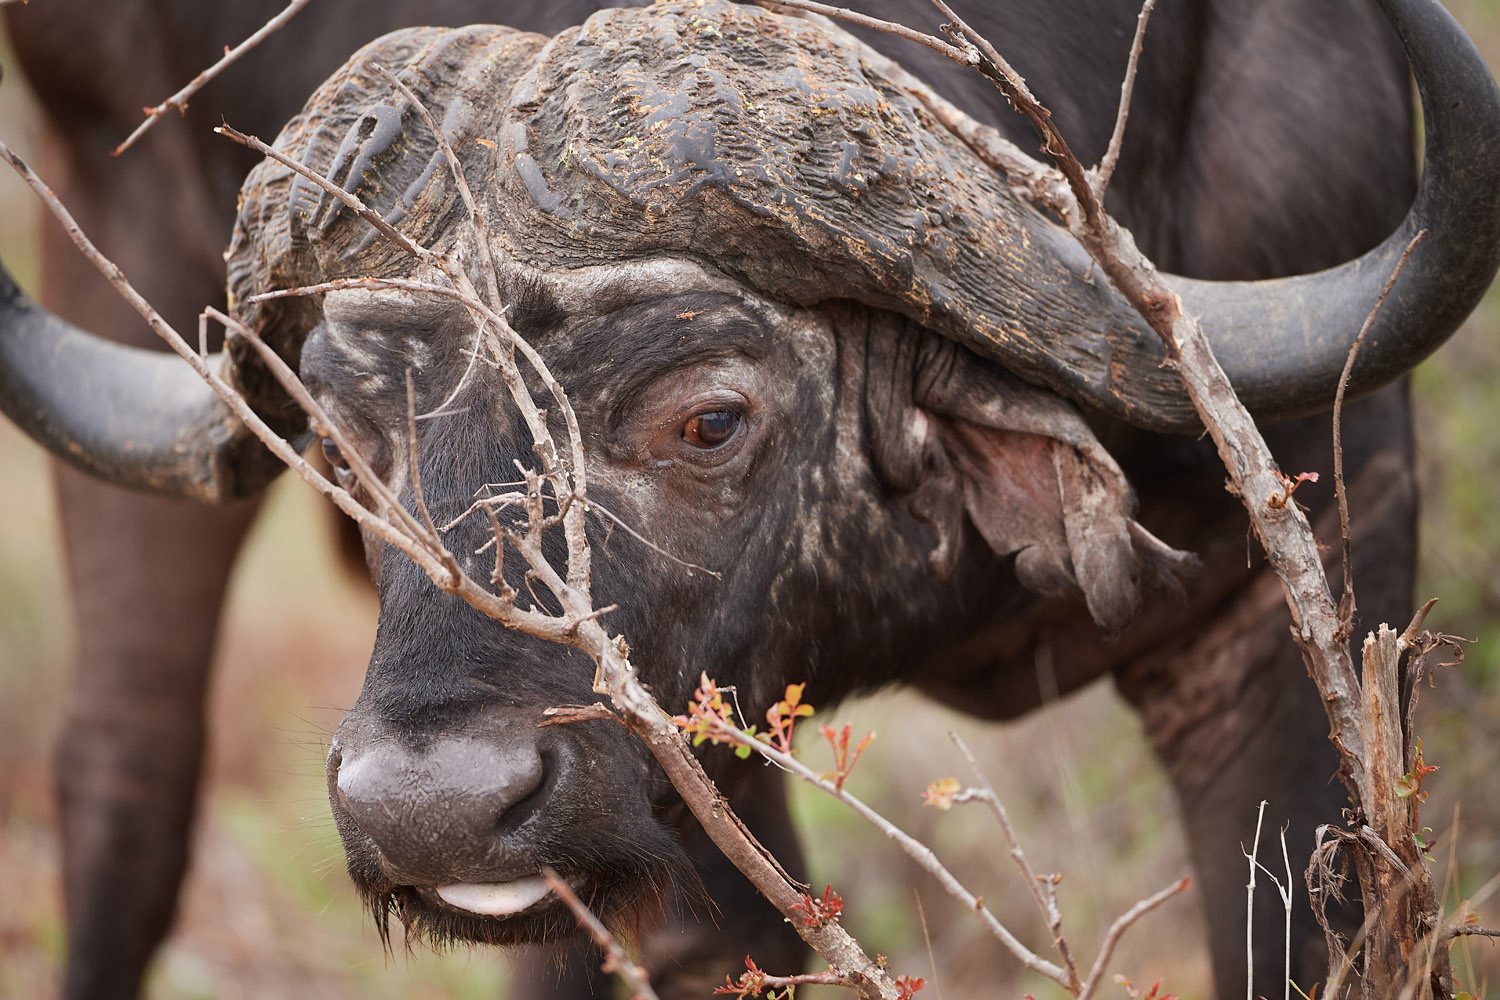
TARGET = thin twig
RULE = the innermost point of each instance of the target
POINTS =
(1106, 168)
(615, 958)
(914, 848)
(1286, 901)
(691, 567)
(937, 988)
(755, 979)
(1472, 930)
(476, 220)
(953, 52)
(1121, 925)
(414, 469)
(349, 198)
(1260, 816)
(1003, 75)
(562, 715)
(179, 100)
(1043, 888)
(1340, 491)
(1283, 890)
(368, 478)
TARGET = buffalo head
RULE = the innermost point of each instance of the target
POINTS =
(816, 346)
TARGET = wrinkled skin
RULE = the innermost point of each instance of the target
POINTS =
(830, 579)
(799, 494)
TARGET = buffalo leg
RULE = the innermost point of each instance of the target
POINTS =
(148, 578)
(148, 575)
(1265, 739)
(1235, 719)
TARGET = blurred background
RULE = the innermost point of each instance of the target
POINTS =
(268, 911)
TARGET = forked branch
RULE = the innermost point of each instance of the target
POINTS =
(179, 100)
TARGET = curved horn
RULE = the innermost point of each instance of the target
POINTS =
(130, 416)
(771, 148)
(143, 419)
(1283, 343)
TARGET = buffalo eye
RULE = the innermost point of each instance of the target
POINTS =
(711, 429)
(333, 455)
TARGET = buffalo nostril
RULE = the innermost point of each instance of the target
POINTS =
(450, 811)
(526, 805)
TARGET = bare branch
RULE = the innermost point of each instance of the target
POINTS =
(1340, 491)
(691, 567)
(414, 469)
(1003, 75)
(350, 199)
(1121, 925)
(1043, 888)
(914, 849)
(954, 52)
(1106, 168)
(1250, 856)
(179, 100)
(615, 958)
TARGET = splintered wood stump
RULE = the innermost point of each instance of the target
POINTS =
(1400, 901)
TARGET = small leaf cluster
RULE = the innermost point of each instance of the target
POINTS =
(782, 718)
(907, 986)
(1409, 785)
(1154, 993)
(1289, 486)
(750, 984)
(819, 912)
(709, 716)
(940, 794)
(843, 761)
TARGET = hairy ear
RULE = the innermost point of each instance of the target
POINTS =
(1022, 465)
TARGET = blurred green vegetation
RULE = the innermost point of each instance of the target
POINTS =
(268, 912)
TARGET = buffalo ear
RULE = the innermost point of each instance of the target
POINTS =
(1038, 485)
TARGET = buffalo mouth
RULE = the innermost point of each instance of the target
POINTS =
(523, 910)
(495, 899)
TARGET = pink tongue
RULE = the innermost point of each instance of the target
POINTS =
(495, 899)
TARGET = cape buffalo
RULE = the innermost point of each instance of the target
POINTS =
(815, 345)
